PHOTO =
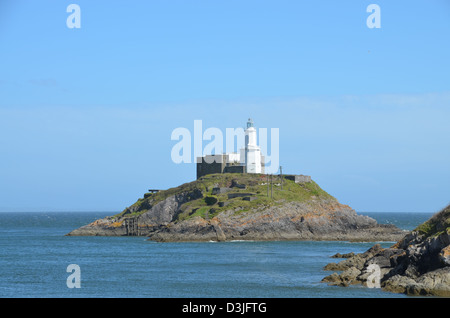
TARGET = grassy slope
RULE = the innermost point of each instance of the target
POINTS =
(206, 208)
(437, 224)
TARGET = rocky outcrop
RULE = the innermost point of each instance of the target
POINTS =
(157, 215)
(418, 264)
(199, 212)
(289, 221)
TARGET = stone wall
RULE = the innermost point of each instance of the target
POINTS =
(204, 168)
(234, 169)
(218, 164)
(298, 178)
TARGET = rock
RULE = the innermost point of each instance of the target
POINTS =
(435, 283)
(220, 235)
(444, 255)
(346, 278)
(346, 255)
(305, 213)
(333, 279)
(397, 284)
(418, 264)
(372, 251)
(384, 258)
(357, 261)
(350, 275)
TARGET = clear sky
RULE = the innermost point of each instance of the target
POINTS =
(86, 114)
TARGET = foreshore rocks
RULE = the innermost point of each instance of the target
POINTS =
(418, 264)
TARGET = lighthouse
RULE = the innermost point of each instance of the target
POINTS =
(248, 160)
(251, 153)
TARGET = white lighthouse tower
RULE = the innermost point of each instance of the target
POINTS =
(251, 154)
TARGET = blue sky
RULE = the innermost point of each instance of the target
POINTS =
(86, 114)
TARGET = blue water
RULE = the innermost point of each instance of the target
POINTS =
(34, 255)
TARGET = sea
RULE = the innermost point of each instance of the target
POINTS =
(37, 260)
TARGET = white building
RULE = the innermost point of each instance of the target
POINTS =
(250, 155)
(248, 160)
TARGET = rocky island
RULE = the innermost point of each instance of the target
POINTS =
(223, 207)
(418, 264)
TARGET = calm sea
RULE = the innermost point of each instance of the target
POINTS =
(35, 254)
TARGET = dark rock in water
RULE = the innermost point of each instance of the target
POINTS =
(191, 212)
(418, 264)
(346, 255)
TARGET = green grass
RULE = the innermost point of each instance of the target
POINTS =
(291, 191)
(201, 212)
(436, 225)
